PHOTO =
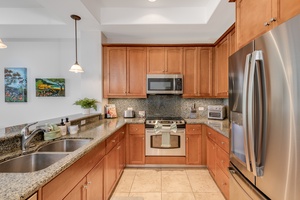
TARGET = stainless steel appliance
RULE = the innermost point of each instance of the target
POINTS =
(154, 140)
(216, 112)
(129, 114)
(164, 84)
(264, 96)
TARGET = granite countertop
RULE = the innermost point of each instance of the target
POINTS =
(23, 185)
(222, 126)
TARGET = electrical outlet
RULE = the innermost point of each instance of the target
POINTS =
(201, 108)
(129, 108)
(82, 122)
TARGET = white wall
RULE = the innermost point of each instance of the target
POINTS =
(51, 58)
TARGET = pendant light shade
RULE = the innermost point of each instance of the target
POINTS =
(2, 45)
(76, 67)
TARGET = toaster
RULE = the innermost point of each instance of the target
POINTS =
(128, 114)
(216, 112)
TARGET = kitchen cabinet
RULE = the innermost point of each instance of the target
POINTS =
(114, 71)
(91, 186)
(218, 159)
(193, 145)
(197, 71)
(271, 14)
(33, 197)
(232, 42)
(221, 69)
(136, 144)
(164, 60)
(114, 160)
(75, 180)
(124, 72)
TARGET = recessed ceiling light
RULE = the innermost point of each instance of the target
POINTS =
(152, 0)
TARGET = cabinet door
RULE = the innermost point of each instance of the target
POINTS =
(211, 156)
(136, 149)
(121, 157)
(155, 60)
(287, 9)
(79, 192)
(190, 72)
(251, 15)
(114, 71)
(110, 171)
(136, 71)
(95, 182)
(232, 41)
(221, 69)
(173, 60)
(222, 181)
(205, 72)
(193, 149)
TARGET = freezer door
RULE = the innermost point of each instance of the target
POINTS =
(281, 55)
(241, 188)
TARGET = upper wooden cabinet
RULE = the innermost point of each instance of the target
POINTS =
(268, 14)
(197, 71)
(124, 72)
(221, 68)
(164, 60)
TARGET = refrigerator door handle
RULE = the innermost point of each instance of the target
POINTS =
(245, 111)
(256, 110)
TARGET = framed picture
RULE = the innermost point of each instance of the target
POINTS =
(15, 84)
(50, 87)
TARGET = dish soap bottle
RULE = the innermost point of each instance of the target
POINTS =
(67, 123)
(63, 128)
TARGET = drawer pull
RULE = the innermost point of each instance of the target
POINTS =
(209, 133)
(85, 186)
(123, 132)
(222, 143)
(113, 141)
(90, 182)
(224, 184)
(118, 147)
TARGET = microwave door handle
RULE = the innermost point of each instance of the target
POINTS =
(245, 111)
(256, 113)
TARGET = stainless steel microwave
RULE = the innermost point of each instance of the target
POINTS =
(164, 84)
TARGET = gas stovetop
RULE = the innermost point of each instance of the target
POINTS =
(165, 121)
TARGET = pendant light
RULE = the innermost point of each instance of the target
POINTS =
(76, 67)
(2, 45)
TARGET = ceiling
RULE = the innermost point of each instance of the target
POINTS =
(121, 21)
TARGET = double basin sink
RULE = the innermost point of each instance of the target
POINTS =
(45, 156)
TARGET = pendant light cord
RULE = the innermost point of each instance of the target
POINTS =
(76, 62)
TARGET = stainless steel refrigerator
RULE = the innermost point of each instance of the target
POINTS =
(264, 103)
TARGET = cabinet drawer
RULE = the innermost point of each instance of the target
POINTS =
(223, 182)
(212, 134)
(193, 129)
(223, 160)
(137, 129)
(223, 142)
(122, 132)
(111, 142)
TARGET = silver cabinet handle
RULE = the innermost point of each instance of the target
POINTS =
(266, 24)
(90, 182)
(273, 19)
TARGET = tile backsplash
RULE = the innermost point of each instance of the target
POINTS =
(165, 105)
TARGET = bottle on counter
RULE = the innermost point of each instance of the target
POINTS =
(67, 123)
(63, 127)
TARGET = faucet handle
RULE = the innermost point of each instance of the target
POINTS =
(25, 130)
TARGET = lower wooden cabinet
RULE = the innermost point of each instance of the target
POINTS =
(74, 180)
(33, 197)
(193, 140)
(111, 167)
(136, 144)
(218, 159)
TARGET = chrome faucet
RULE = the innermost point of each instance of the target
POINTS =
(27, 135)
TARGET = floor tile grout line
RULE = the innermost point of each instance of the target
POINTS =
(190, 184)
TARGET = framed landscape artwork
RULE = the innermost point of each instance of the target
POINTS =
(50, 87)
(15, 84)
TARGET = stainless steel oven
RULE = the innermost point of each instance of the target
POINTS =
(155, 141)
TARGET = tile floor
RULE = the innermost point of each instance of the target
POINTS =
(167, 184)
